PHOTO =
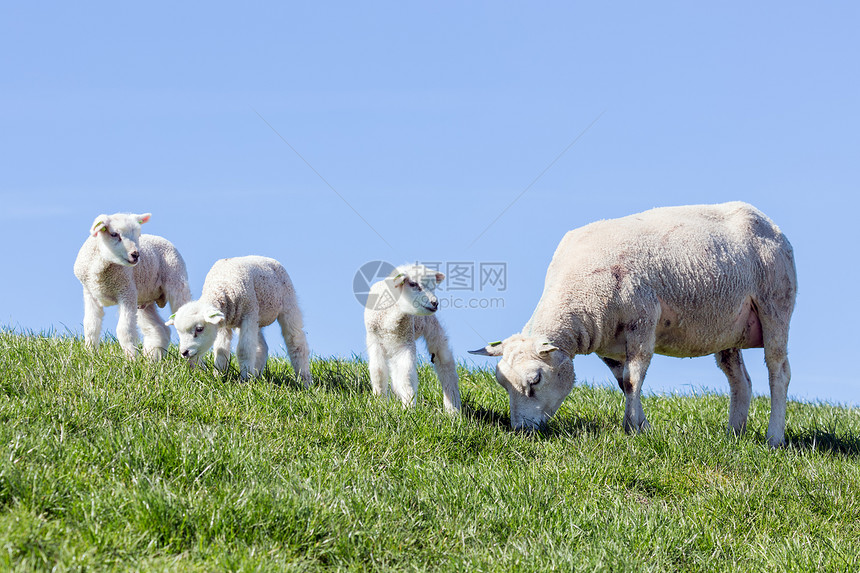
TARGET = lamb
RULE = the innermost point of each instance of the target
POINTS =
(118, 265)
(247, 293)
(678, 281)
(400, 310)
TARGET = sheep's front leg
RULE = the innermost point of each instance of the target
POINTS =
(126, 328)
(446, 366)
(377, 366)
(404, 376)
(632, 377)
(246, 348)
(93, 315)
(221, 349)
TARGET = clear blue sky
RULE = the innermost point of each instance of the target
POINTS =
(429, 119)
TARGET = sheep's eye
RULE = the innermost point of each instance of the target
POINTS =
(413, 284)
(198, 329)
(114, 235)
(536, 379)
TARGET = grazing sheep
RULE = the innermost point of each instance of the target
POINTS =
(247, 293)
(118, 265)
(679, 281)
(399, 311)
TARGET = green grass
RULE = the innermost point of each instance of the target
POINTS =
(113, 464)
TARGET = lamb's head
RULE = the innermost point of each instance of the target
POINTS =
(413, 286)
(537, 376)
(118, 237)
(197, 324)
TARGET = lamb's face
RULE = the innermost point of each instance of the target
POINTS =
(413, 287)
(537, 376)
(197, 325)
(118, 236)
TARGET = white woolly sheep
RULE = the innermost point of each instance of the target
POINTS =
(400, 310)
(247, 293)
(118, 265)
(678, 281)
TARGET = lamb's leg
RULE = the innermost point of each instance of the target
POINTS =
(221, 349)
(732, 364)
(93, 315)
(404, 376)
(443, 360)
(156, 336)
(377, 366)
(262, 354)
(126, 328)
(297, 345)
(246, 348)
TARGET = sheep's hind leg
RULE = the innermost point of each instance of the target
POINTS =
(297, 345)
(156, 336)
(262, 354)
(774, 324)
(732, 364)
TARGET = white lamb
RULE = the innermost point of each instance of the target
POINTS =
(679, 281)
(247, 293)
(400, 310)
(118, 265)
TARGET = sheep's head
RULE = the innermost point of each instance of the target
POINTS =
(413, 286)
(537, 376)
(197, 324)
(118, 237)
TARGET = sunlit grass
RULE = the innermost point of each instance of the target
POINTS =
(107, 463)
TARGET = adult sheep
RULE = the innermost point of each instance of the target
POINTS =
(678, 281)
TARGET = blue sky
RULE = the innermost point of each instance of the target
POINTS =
(429, 120)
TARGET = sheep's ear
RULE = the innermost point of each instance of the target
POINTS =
(399, 279)
(170, 320)
(144, 218)
(99, 225)
(440, 277)
(492, 349)
(544, 349)
(216, 317)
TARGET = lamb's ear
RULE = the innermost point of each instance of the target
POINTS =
(399, 279)
(99, 225)
(544, 349)
(170, 320)
(144, 218)
(215, 317)
(492, 349)
(440, 277)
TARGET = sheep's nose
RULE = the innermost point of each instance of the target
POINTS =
(134, 256)
(435, 304)
(186, 352)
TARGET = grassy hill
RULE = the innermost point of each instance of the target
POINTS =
(107, 463)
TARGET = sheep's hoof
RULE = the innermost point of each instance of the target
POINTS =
(636, 428)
